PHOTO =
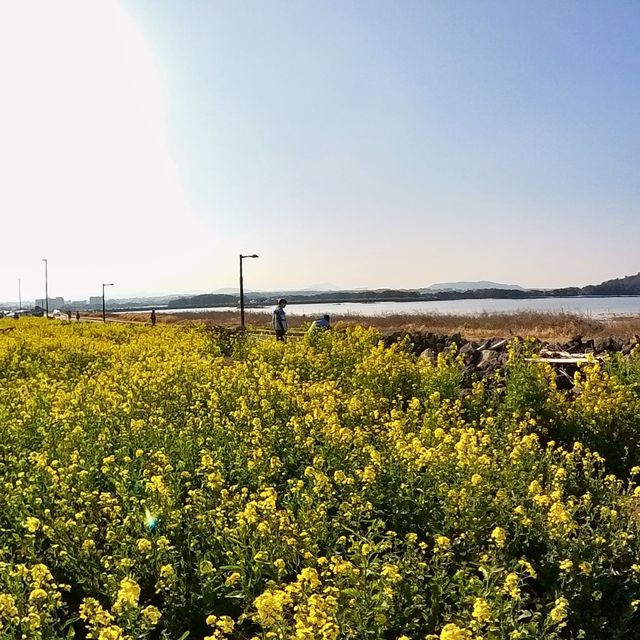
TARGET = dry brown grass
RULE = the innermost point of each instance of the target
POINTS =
(544, 325)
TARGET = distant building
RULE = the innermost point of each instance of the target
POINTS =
(54, 303)
(95, 301)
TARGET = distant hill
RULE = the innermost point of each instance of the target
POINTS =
(473, 286)
(324, 286)
(627, 286)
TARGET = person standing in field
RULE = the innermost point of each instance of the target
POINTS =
(77, 316)
(153, 317)
(280, 320)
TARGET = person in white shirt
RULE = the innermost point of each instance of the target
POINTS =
(280, 320)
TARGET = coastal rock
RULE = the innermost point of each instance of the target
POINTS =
(628, 347)
(488, 359)
(601, 344)
(467, 348)
(574, 345)
(392, 337)
(429, 354)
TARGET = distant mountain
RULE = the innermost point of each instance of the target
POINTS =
(323, 286)
(472, 286)
(627, 286)
(230, 291)
(228, 297)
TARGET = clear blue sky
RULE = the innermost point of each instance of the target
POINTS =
(394, 143)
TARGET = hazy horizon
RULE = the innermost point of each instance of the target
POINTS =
(327, 287)
(367, 144)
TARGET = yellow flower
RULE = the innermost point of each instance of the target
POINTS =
(88, 545)
(144, 545)
(442, 543)
(566, 565)
(128, 595)
(535, 488)
(454, 632)
(32, 524)
(151, 615)
(8, 607)
(163, 543)
(310, 576)
(499, 536)
(167, 571)
(528, 568)
(225, 624)
(391, 573)
(92, 612)
(560, 610)
(511, 585)
(270, 606)
(232, 579)
(111, 633)
(33, 620)
(206, 567)
(38, 594)
(481, 610)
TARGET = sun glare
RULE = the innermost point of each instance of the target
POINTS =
(87, 176)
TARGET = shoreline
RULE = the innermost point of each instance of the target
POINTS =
(545, 325)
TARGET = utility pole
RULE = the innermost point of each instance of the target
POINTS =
(253, 255)
(104, 308)
(46, 286)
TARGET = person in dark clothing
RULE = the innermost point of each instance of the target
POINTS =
(77, 316)
(280, 320)
(153, 317)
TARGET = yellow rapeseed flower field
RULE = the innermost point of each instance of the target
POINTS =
(330, 488)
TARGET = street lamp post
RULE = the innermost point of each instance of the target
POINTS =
(253, 255)
(46, 286)
(104, 316)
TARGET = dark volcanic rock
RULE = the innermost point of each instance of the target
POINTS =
(392, 337)
(488, 359)
(574, 345)
(485, 358)
(601, 344)
(467, 348)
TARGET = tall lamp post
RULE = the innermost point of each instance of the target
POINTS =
(104, 316)
(253, 255)
(46, 286)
